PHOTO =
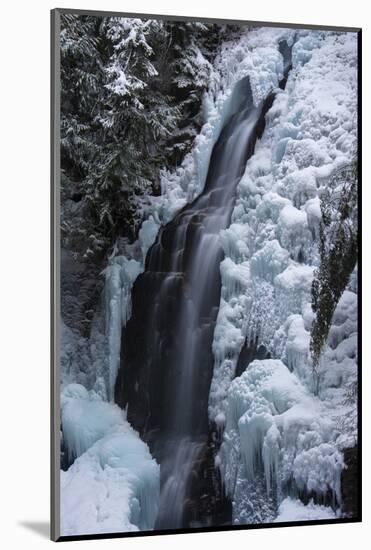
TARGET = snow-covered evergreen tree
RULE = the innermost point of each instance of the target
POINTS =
(131, 99)
(338, 250)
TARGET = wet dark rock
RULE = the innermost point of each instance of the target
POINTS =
(248, 353)
(350, 484)
(207, 503)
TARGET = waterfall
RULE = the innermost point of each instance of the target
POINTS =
(166, 364)
(198, 260)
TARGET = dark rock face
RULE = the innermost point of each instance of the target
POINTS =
(207, 504)
(248, 353)
(349, 484)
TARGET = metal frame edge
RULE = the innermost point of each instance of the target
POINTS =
(55, 275)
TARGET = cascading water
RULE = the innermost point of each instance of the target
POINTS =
(167, 361)
(198, 309)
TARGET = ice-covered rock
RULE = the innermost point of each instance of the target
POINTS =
(114, 484)
(120, 275)
(147, 235)
(94, 361)
(292, 289)
(278, 203)
(292, 230)
(297, 345)
(269, 261)
(113, 487)
(276, 430)
(74, 358)
(85, 418)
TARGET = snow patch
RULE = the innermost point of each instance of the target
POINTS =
(294, 510)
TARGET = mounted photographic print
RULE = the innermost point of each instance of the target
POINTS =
(205, 247)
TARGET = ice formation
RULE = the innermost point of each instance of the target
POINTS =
(120, 276)
(114, 484)
(275, 427)
(85, 418)
(262, 243)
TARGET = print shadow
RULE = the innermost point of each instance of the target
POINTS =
(41, 528)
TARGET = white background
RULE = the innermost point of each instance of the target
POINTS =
(24, 233)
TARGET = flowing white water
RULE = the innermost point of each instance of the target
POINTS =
(198, 258)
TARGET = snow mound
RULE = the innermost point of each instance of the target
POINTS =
(295, 510)
(114, 484)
